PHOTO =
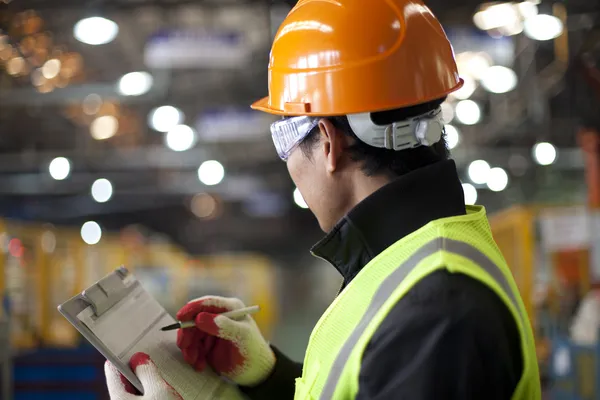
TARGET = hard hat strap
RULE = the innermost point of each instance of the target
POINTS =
(422, 130)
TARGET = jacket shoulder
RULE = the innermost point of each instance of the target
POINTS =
(449, 335)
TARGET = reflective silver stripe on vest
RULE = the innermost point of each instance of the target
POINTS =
(389, 285)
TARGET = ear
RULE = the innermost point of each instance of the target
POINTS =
(332, 144)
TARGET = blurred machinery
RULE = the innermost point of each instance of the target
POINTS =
(42, 265)
(554, 254)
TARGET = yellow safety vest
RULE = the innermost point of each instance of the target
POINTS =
(461, 244)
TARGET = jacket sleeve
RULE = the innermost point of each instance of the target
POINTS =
(453, 339)
(282, 382)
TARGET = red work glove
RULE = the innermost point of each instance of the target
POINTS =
(234, 349)
(155, 387)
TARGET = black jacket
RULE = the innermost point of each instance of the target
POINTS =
(450, 337)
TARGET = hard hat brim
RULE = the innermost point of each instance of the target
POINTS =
(263, 105)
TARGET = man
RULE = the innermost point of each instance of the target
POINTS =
(428, 308)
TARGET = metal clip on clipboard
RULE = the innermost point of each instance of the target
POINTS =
(120, 297)
(108, 291)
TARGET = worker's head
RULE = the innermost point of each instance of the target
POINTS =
(359, 86)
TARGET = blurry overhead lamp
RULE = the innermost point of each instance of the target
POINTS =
(59, 168)
(496, 16)
(497, 179)
(468, 112)
(135, 83)
(165, 118)
(91, 233)
(466, 90)
(51, 68)
(102, 190)
(543, 27)
(180, 138)
(91, 104)
(452, 136)
(37, 78)
(95, 30)
(498, 79)
(204, 206)
(211, 172)
(473, 64)
(447, 112)
(527, 9)
(512, 29)
(479, 171)
(299, 200)
(544, 153)
(470, 193)
(104, 127)
(15, 66)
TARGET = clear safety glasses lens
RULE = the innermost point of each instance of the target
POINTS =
(289, 132)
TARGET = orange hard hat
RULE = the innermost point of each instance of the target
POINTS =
(338, 57)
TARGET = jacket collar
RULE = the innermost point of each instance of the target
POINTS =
(392, 212)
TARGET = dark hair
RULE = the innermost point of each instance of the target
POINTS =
(378, 161)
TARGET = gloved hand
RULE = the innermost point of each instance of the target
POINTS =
(155, 387)
(233, 349)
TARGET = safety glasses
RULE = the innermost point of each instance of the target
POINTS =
(289, 132)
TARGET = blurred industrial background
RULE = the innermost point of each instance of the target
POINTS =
(126, 139)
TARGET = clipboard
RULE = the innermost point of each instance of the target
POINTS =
(119, 318)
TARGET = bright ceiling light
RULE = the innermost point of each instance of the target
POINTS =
(496, 16)
(91, 233)
(102, 190)
(204, 206)
(95, 30)
(527, 9)
(466, 90)
(91, 104)
(59, 168)
(135, 83)
(180, 138)
(544, 153)
(468, 112)
(211, 172)
(165, 118)
(497, 179)
(15, 66)
(51, 68)
(452, 136)
(473, 64)
(479, 171)
(512, 29)
(447, 112)
(543, 27)
(498, 79)
(470, 193)
(299, 200)
(104, 127)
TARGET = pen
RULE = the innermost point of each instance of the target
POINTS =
(235, 314)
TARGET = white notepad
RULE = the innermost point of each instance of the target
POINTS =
(120, 318)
